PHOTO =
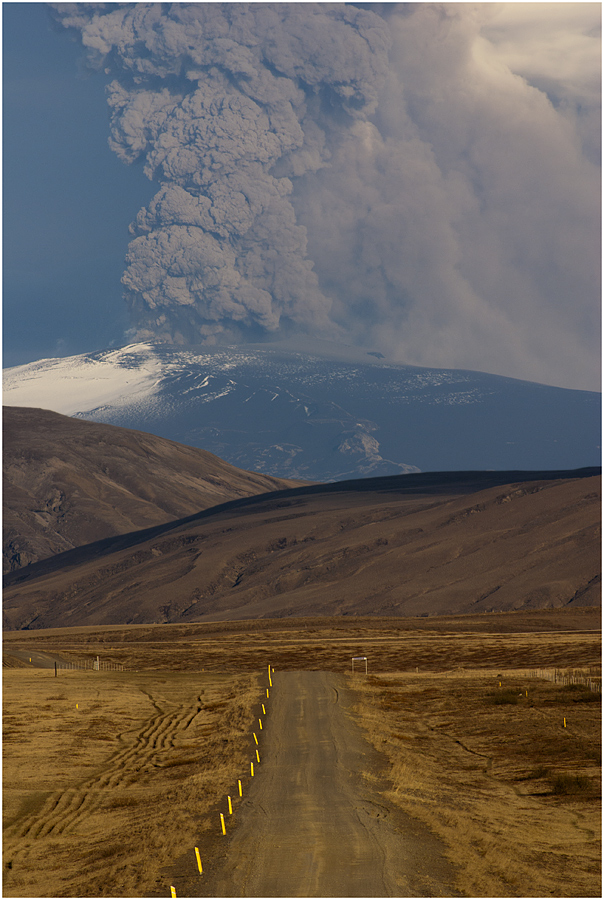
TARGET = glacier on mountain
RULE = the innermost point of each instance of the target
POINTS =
(322, 414)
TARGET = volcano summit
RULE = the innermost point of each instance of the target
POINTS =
(323, 415)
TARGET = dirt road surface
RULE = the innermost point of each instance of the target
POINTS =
(311, 825)
(36, 658)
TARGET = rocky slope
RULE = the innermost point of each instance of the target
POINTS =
(68, 482)
(411, 545)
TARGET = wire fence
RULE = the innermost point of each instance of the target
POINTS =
(95, 665)
(592, 682)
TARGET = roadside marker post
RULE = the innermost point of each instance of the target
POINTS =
(199, 866)
(172, 891)
(252, 769)
(222, 825)
(240, 788)
(255, 738)
(565, 722)
(270, 683)
(260, 724)
(257, 756)
(230, 806)
(263, 710)
(267, 693)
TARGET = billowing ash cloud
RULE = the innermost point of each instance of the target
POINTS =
(421, 179)
(226, 103)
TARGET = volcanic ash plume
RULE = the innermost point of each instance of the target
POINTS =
(420, 179)
(226, 103)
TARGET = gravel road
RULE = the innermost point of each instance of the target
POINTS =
(311, 825)
(37, 659)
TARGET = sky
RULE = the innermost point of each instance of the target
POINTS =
(416, 179)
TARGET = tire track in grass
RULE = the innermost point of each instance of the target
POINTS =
(65, 809)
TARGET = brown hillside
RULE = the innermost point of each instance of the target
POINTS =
(529, 544)
(68, 482)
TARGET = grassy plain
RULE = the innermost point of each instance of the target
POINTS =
(493, 772)
(108, 777)
(100, 800)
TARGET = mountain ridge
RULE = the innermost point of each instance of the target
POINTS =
(475, 543)
(69, 482)
(425, 484)
(270, 409)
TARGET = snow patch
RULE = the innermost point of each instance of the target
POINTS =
(83, 383)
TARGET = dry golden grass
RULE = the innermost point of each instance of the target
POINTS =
(534, 638)
(100, 797)
(104, 800)
(514, 795)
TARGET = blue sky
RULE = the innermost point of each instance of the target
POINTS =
(68, 200)
(421, 179)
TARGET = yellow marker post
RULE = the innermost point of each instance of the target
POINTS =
(172, 891)
(240, 788)
(77, 707)
(263, 710)
(257, 756)
(230, 806)
(199, 866)
(270, 683)
(267, 693)
(260, 724)
(565, 722)
(222, 823)
(255, 738)
(252, 768)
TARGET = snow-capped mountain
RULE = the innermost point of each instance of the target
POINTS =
(324, 415)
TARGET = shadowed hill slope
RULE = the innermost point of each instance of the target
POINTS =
(68, 482)
(432, 544)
